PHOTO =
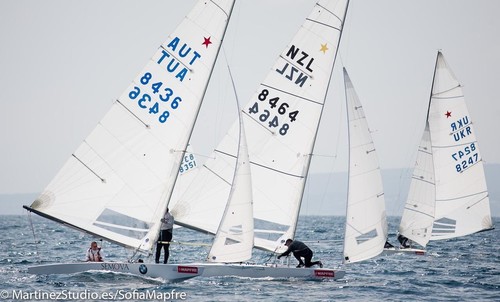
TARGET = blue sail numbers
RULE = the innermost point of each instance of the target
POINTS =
(153, 93)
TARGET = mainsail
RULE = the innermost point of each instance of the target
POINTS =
(117, 184)
(366, 223)
(459, 204)
(281, 122)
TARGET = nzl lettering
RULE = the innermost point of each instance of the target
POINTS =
(460, 128)
(172, 65)
(292, 72)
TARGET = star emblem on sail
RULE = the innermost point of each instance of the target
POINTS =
(324, 48)
(206, 41)
(448, 114)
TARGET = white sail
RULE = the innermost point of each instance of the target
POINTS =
(450, 199)
(462, 202)
(234, 239)
(281, 121)
(366, 222)
(418, 215)
(118, 182)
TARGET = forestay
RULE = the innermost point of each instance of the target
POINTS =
(118, 182)
(461, 197)
(281, 121)
(366, 222)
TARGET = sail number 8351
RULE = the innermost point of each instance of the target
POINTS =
(265, 115)
(145, 100)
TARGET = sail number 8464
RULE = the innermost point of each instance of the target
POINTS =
(265, 115)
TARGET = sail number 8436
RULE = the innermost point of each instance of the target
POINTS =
(145, 100)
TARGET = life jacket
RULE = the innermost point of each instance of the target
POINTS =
(94, 257)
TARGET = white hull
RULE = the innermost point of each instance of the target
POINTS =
(170, 272)
(395, 250)
(266, 271)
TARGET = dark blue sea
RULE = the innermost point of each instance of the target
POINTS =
(465, 269)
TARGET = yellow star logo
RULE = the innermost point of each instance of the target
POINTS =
(324, 48)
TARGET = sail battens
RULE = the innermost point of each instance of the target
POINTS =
(133, 114)
(324, 24)
(453, 167)
(365, 235)
(93, 172)
(139, 167)
(217, 175)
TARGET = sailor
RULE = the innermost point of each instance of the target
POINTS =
(94, 253)
(300, 250)
(167, 225)
(405, 242)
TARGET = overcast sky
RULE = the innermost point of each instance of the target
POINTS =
(62, 63)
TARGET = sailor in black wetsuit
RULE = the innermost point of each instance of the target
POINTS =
(300, 250)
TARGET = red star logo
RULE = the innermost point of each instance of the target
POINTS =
(207, 41)
(448, 114)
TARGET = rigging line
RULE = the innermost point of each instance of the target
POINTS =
(102, 179)
(146, 125)
(292, 94)
(225, 13)
(33, 232)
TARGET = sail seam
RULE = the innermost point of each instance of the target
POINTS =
(286, 92)
(178, 60)
(458, 145)
(333, 14)
(292, 63)
(260, 124)
(254, 163)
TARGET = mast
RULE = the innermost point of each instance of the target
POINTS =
(308, 165)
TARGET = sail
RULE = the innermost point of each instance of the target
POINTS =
(234, 239)
(418, 215)
(462, 202)
(366, 222)
(281, 121)
(117, 184)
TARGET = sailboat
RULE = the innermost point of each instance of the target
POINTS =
(281, 121)
(117, 184)
(366, 221)
(448, 196)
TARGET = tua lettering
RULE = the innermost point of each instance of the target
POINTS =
(460, 128)
(293, 73)
(172, 64)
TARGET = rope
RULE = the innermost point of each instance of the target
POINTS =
(33, 232)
